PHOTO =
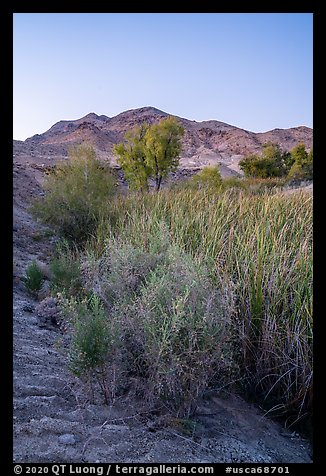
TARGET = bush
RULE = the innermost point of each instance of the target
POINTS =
(65, 271)
(173, 322)
(271, 162)
(92, 342)
(119, 272)
(302, 168)
(208, 177)
(147, 277)
(175, 333)
(34, 278)
(77, 196)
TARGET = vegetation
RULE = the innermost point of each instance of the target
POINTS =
(131, 156)
(208, 177)
(262, 245)
(91, 343)
(150, 151)
(272, 162)
(194, 287)
(78, 193)
(34, 278)
(173, 321)
(302, 167)
(65, 270)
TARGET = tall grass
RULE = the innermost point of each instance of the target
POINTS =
(261, 244)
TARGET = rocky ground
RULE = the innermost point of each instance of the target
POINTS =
(54, 421)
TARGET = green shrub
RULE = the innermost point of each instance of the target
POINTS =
(209, 176)
(34, 278)
(92, 342)
(271, 162)
(78, 194)
(65, 270)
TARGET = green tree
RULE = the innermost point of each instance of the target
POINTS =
(163, 147)
(150, 151)
(302, 167)
(132, 157)
(272, 162)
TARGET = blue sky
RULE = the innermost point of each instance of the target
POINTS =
(250, 70)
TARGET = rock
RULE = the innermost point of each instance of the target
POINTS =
(67, 439)
(28, 308)
(48, 313)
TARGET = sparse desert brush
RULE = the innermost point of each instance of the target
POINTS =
(173, 321)
(65, 270)
(92, 343)
(34, 278)
(176, 333)
(78, 193)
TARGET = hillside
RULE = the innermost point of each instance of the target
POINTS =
(206, 142)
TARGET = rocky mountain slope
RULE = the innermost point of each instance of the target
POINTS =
(204, 143)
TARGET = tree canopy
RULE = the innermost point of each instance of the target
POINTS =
(150, 151)
(273, 162)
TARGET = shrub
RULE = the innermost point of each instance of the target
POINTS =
(119, 272)
(34, 278)
(302, 168)
(175, 333)
(271, 162)
(260, 242)
(65, 270)
(92, 342)
(208, 177)
(77, 196)
(173, 322)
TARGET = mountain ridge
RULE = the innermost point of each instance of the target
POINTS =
(204, 143)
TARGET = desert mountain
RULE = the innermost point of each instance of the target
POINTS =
(206, 142)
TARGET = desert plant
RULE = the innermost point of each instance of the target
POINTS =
(302, 167)
(77, 195)
(65, 270)
(119, 272)
(92, 342)
(34, 278)
(257, 239)
(271, 162)
(176, 333)
(263, 243)
(209, 176)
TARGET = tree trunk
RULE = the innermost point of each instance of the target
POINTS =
(158, 178)
(158, 182)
